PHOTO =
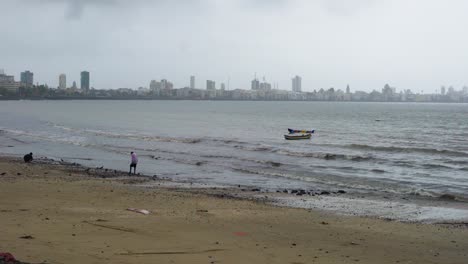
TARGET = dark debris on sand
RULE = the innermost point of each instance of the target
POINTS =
(7, 258)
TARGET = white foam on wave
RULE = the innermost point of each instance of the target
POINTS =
(394, 210)
(43, 135)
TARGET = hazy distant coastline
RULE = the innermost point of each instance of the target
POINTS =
(143, 98)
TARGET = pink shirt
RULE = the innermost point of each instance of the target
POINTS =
(134, 158)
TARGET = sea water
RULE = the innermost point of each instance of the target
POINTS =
(375, 148)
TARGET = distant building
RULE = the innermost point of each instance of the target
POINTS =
(62, 81)
(210, 85)
(6, 78)
(155, 85)
(264, 86)
(348, 90)
(223, 87)
(74, 85)
(27, 78)
(255, 85)
(387, 90)
(85, 80)
(451, 90)
(7, 82)
(165, 85)
(192, 82)
(297, 84)
(443, 90)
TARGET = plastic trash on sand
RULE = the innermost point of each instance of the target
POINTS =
(141, 211)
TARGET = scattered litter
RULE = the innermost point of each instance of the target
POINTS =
(141, 211)
(241, 234)
(119, 228)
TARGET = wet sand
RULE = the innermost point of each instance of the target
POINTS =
(68, 216)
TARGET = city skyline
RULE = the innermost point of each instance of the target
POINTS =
(328, 43)
(26, 79)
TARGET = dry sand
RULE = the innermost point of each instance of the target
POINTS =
(74, 218)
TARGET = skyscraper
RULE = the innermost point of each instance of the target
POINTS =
(255, 85)
(210, 85)
(155, 85)
(85, 80)
(348, 90)
(27, 78)
(192, 82)
(62, 81)
(297, 84)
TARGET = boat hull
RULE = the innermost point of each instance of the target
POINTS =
(297, 137)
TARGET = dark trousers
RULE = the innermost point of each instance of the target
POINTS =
(133, 165)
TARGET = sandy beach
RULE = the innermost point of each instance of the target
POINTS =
(55, 214)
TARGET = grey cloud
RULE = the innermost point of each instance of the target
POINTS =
(346, 7)
(126, 43)
(75, 9)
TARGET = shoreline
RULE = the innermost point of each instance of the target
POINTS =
(406, 208)
(70, 215)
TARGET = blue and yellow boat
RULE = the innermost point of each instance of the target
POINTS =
(295, 134)
(297, 137)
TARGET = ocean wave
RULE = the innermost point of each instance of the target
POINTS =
(74, 140)
(134, 136)
(325, 156)
(254, 147)
(436, 166)
(408, 150)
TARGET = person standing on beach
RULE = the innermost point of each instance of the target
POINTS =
(133, 163)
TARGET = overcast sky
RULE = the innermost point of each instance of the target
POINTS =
(410, 44)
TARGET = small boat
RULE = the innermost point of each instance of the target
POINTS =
(293, 131)
(297, 137)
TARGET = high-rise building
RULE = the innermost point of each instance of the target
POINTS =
(74, 85)
(164, 84)
(155, 85)
(297, 84)
(223, 86)
(210, 85)
(255, 85)
(27, 78)
(8, 82)
(62, 81)
(348, 90)
(192, 82)
(264, 86)
(85, 80)
(443, 90)
(451, 90)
